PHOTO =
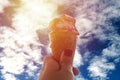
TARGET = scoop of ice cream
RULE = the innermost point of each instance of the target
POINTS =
(63, 23)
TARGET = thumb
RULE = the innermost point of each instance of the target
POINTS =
(66, 59)
(50, 64)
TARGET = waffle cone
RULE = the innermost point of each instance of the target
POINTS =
(61, 41)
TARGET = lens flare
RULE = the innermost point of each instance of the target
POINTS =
(33, 15)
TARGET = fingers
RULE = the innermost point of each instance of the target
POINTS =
(66, 59)
(75, 71)
(50, 64)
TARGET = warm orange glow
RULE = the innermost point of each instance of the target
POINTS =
(32, 15)
(63, 35)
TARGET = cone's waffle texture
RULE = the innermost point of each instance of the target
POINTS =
(61, 41)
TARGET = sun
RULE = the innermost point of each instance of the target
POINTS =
(32, 15)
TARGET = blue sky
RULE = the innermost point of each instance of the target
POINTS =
(98, 47)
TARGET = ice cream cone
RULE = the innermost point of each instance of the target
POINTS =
(63, 35)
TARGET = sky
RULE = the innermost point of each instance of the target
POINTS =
(24, 38)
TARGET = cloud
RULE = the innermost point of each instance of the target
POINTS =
(31, 69)
(80, 78)
(18, 55)
(9, 77)
(99, 68)
(112, 51)
(77, 59)
(13, 65)
(3, 4)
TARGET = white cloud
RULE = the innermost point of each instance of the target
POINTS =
(18, 53)
(31, 69)
(99, 67)
(14, 64)
(80, 77)
(77, 59)
(8, 76)
(113, 50)
(110, 52)
(117, 60)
